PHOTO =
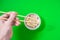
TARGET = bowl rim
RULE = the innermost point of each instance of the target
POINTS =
(35, 27)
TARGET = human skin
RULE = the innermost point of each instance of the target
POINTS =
(6, 22)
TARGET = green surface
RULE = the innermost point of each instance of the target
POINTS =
(48, 10)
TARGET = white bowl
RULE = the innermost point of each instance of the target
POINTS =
(36, 26)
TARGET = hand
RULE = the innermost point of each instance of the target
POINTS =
(6, 22)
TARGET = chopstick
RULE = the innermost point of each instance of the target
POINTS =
(17, 15)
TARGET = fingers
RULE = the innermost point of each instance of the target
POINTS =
(4, 19)
(17, 22)
(12, 16)
(4, 16)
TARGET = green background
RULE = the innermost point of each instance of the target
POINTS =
(48, 10)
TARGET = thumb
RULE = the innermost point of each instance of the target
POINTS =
(12, 16)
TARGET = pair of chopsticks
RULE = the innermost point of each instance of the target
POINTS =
(17, 15)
